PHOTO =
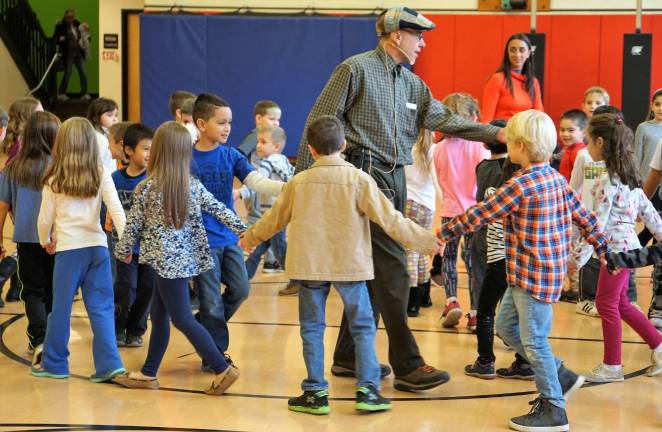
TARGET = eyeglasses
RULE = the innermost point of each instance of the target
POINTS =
(418, 35)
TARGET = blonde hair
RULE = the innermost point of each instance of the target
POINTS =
(276, 133)
(75, 169)
(169, 167)
(462, 104)
(599, 90)
(19, 113)
(536, 130)
(421, 151)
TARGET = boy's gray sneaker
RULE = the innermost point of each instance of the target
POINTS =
(544, 416)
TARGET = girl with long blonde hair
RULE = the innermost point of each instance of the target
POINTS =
(422, 189)
(20, 192)
(166, 217)
(75, 184)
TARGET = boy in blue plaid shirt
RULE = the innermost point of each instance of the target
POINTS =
(538, 208)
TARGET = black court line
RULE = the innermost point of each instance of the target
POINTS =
(92, 427)
(421, 397)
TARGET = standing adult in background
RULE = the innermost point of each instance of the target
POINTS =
(382, 106)
(513, 87)
(67, 35)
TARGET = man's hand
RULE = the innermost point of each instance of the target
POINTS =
(501, 135)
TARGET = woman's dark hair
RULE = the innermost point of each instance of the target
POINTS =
(617, 150)
(528, 70)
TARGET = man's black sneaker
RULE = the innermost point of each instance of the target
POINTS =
(369, 399)
(480, 370)
(422, 378)
(133, 341)
(517, 371)
(570, 381)
(348, 370)
(311, 402)
(544, 416)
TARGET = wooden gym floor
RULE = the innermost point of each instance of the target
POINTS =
(265, 345)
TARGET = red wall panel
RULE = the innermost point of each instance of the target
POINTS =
(582, 50)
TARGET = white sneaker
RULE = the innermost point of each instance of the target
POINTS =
(655, 317)
(603, 373)
(62, 97)
(587, 307)
(656, 367)
(86, 97)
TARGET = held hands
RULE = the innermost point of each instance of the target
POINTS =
(50, 247)
(243, 243)
(603, 262)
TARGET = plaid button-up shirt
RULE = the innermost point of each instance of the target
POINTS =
(383, 106)
(538, 208)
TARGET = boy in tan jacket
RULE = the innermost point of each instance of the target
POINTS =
(329, 208)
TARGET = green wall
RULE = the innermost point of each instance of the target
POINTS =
(50, 11)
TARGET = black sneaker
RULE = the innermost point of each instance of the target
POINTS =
(348, 371)
(369, 399)
(570, 381)
(121, 339)
(422, 378)
(570, 296)
(133, 341)
(517, 371)
(544, 416)
(311, 402)
(480, 370)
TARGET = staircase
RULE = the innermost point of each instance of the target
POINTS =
(31, 49)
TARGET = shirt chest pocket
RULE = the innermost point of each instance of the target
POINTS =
(409, 121)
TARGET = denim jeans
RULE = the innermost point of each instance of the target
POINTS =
(279, 245)
(78, 61)
(361, 322)
(216, 309)
(524, 324)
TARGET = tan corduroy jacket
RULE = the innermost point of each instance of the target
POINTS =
(328, 208)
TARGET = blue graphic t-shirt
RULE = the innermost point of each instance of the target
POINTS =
(125, 185)
(216, 170)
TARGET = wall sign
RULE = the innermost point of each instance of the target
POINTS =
(110, 41)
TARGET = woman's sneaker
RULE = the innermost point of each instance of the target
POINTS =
(603, 373)
(588, 308)
(311, 402)
(517, 371)
(369, 399)
(480, 370)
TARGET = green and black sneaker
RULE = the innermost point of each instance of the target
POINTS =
(311, 402)
(369, 399)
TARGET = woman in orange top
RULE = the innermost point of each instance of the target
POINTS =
(513, 88)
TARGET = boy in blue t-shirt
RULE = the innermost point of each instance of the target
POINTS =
(134, 282)
(216, 166)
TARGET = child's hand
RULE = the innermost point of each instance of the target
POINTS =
(441, 245)
(243, 243)
(127, 259)
(611, 270)
(50, 247)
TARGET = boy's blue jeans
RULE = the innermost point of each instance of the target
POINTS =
(358, 311)
(278, 243)
(216, 309)
(88, 268)
(524, 324)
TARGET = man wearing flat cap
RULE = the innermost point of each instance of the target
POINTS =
(382, 106)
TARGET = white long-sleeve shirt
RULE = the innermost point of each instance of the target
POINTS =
(105, 155)
(75, 221)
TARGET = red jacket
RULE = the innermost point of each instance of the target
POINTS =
(568, 159)
(498, 103)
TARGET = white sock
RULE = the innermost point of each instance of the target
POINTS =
(473, 313)
(658, 348)
(612, 368)
(449, 300)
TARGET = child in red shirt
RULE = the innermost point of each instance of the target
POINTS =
(571, 133)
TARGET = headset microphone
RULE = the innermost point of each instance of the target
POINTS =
(409, 59)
